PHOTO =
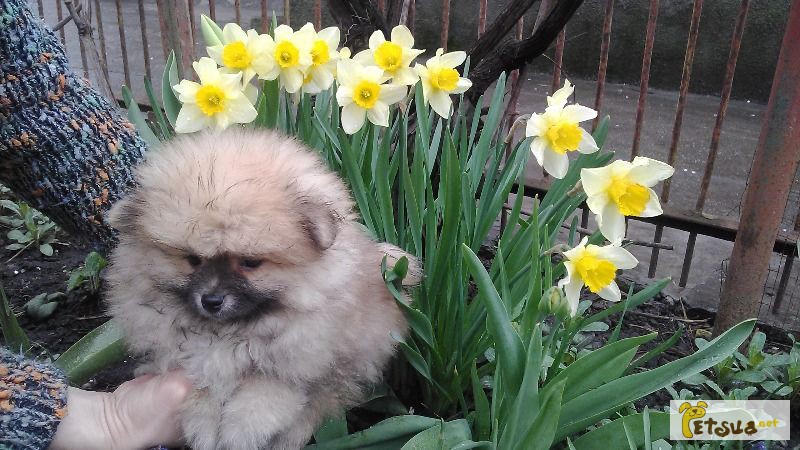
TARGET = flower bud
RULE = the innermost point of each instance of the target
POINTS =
(553, 302)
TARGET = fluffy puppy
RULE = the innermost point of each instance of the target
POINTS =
(240, 261)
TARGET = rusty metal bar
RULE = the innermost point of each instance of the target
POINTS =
(264, 16)
(382, 6)
(318, 14)
(101, 37)
(192, 26)
(727, 86)
(686, 77)
(601, 70)
(510, 114)
(84, 63)
(482, 7)
(558, 59)
(445, 24)
(145, 45)
(237, 8)
(644, 79)
(286, 12)
(60, 16)
(412, 16)
(40, 7)
(770, 181)
(212, 10)
(123, 44)
(162, 24)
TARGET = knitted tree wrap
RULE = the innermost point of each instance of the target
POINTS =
(32, 402)
(64, 148)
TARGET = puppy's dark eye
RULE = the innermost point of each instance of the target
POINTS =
(194, 260)
(250, 263)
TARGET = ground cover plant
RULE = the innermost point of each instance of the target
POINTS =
(492, 360)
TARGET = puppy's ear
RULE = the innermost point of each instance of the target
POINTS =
(321, 224)
(122, 215)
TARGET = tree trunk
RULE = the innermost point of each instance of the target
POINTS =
(64, 148)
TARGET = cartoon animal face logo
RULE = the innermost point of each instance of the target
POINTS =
(691, 412)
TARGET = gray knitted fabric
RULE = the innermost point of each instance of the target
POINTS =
(64, 148)
(33, 399)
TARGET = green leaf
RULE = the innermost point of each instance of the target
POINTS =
(101, 348)
(13, 335)
(602, 401)
(46, 249)
(483, 419)
(17, 235)
(163, 125)
(172, 105)
(444, 436)
(631, 302)
(387, 431)
(509, 347)
(331, 429)
(137, 118)
(612, 434)
(541, 434)
(212, 33)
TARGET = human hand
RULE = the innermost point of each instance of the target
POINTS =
(141, 413)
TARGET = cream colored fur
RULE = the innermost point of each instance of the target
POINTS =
(270, 381)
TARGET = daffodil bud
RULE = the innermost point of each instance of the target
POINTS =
(553, 302)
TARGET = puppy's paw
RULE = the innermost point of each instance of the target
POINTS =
(200, 421)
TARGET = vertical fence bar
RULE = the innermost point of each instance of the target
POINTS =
(318, 14)
(644, 78)
(264, 16)
(84, 63)
(770, 181)
(145, 45)
(40, 7)
(601, 70)
(162, 24)
(212, 10)
(787, 271)
(60, 15)
(123, 44)
(558, 59)
(286, 12)
(686, 77)
(192, 29)
(727, 86)
(101, 36)
(445, 24)
(184, 37)
(412, 16)
(482, 6)
(237, 8)
(516, 84)
(382, 6)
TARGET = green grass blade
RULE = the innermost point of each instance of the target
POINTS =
(612, 434)
(137, 118)
(101, 348)
(13, 334)
(170, 78)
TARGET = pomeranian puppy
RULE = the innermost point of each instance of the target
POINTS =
(240, 261)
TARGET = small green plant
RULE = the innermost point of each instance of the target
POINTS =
(43, 305)
(88, 274)
(29, 228)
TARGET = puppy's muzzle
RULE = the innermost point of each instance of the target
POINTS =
(212, 303)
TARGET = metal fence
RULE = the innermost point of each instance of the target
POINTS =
(139, 35)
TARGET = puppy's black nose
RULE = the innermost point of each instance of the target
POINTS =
(212, 302)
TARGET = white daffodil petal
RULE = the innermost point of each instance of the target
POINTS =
(577, 251)
(556, 164)
(186, 90)
(215, 53)
(283, 32)
(379, 114)
(190, 119)
(331, 36)
(452, 59)
(353, 117)
(611, 222)
(441, 103)
(562, 95)
(578, 113)
(376, 39)
(402, 36)
(232, 32)
(653, 207)
(292, 80)
(595, 181)
(240, 110)
(587, 143)
(572, 289)
(610, 292)
(537, 125)
(206, 70)
(462, 85)
(649, 172)
(598, 202)
(405, 76)
(618, 256)
(393, 93)
(538, 148)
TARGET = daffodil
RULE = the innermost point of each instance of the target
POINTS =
(594, 267)
(622, 189)
(440, 79)
(556, 132)
(246, 52)
(394, 56)
(292, 53)
(363, 94)
(217, 101)
(320, 75)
